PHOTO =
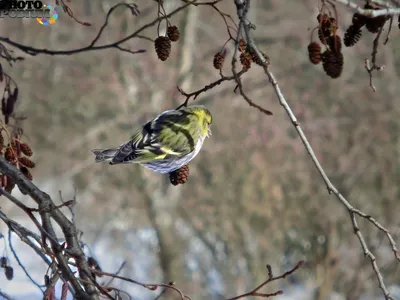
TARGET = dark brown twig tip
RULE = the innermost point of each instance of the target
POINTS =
(270, 275)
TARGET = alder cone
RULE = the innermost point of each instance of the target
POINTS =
(25, 149)
(332, 63)
(314, 52)
(255, 58)
(10, 155)
(173, 33)
(242, 45)
(219, 59)
(352, 35)
(162, 46)
(245, 60)
(26, 162)
(179, 176)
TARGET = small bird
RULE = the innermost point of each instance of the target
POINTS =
(164, 144)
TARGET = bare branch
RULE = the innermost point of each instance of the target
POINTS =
(241, 10)
(271, 278)
(371, 12)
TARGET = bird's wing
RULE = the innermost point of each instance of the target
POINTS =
(165, 137)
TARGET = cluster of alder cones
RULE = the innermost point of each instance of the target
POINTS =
(373, 25)
(179, 176)
(16, 152)
(162, 44)
(8, 270)
(247, 56)
(332, 57)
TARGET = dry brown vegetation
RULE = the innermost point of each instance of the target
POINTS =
(253, 196)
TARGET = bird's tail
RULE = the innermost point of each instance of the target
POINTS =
(104, 154)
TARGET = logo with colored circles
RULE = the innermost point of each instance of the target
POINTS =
(53, 15)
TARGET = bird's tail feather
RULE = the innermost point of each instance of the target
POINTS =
(104, 154)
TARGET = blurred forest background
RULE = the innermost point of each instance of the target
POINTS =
(253, 195)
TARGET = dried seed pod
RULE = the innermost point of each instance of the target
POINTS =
(26, 172)
(162, 46)
(179, 176)
(219, 59)
(173, 33)
(26, 162)
(255, 58)
(10, 184)
(3, 262)
(332, 63)
(25, 149)
(314, 52)
(9, 271)
(241, 45)
(352, 35)
(245, 60)
(335, 43)
(10, 155)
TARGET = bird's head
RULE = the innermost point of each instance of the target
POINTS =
(204, 117)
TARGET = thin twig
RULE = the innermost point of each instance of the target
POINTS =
(20, 263)
(271, 278)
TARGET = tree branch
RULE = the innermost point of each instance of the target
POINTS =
(241, 11)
